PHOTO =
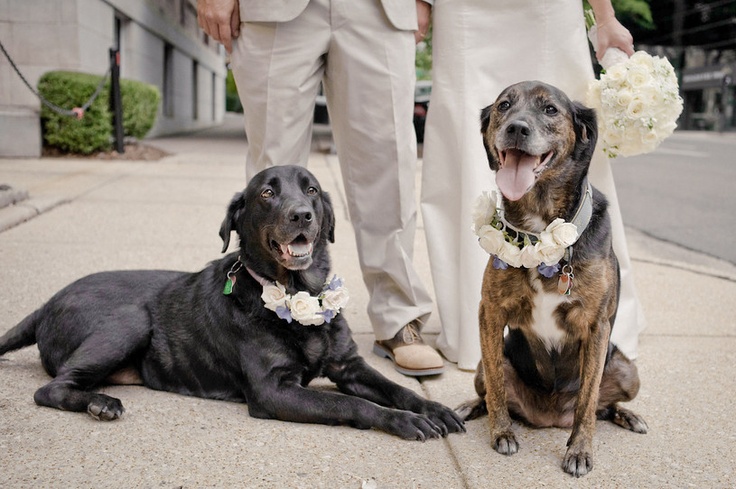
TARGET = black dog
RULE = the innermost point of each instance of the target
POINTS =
(208, 334)
(556, 366)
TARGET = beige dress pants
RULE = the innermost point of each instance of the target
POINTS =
(367, 68)
(479, 48)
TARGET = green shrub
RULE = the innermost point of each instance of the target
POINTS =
(94, 131)
(68, 90)
(140, 106)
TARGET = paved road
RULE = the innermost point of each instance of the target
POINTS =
(684, 192)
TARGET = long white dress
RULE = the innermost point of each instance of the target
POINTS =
(479, 48)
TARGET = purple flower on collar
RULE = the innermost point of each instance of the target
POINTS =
(334, 284)
(328, 314)
(499, 264)
(548, 271)
(284, 313)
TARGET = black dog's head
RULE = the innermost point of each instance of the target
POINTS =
(534, 132)
(283, 220)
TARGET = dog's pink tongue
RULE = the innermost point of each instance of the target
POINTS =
(517, 175)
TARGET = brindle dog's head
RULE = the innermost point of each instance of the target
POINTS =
(533, 133)
(283, 220)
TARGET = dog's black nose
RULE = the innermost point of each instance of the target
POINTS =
(302, 215)
(519, 129)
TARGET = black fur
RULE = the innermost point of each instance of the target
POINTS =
(180, 333)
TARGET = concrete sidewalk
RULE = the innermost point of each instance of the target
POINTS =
(84, 215)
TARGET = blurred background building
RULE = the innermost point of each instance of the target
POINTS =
(159, 42)
(699, 38)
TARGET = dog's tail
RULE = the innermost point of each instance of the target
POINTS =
(472, 409)
(21, 335)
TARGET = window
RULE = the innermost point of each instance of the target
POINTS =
(168, 95)
(195, 90)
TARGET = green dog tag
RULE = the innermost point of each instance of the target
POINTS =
(229, 283)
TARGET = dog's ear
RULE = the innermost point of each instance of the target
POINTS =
(485, 121)
(233, 214)
(485, 118)
(586, 131)
(328, 220)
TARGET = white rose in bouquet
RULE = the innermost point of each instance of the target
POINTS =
(637, 100)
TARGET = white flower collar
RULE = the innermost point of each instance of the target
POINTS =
(526, 249)
(301, 307)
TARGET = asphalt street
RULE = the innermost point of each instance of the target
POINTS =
(683, 193)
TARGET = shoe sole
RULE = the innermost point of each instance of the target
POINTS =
(384, 353)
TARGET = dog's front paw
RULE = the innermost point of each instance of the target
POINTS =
(411, 426)
(505, 443)
(577, 462)
(445, 418)
(105, 408)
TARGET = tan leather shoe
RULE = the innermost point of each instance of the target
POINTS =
(411, 356)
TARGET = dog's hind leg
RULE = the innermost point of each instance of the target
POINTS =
(620, 383)
(65, 394)
(87, 368)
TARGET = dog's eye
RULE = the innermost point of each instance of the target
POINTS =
(504, 106)
(550, 110)
(312, 191)
(267, 194)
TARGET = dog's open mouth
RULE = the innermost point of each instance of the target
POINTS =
(296, 254)
(518, 171)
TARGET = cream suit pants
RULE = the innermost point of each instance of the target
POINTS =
(367, 68)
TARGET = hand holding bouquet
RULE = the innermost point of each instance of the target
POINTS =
(637, 100)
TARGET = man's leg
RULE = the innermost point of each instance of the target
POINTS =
(369, 83)
(277, 68)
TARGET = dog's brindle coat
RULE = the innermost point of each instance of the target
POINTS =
(178, 332)
(556, 367)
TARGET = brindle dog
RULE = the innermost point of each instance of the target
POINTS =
(556, 366)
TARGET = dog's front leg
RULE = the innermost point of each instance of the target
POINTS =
(355, 377)
(492, 323)
(578, 459)
(289, 401)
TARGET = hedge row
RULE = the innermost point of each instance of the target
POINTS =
(94, 131)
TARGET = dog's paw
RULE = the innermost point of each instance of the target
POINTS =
(411, 426)
(630, 420)
(105, 408)
(445, 418)
(470, 410)
(577, 463)
(505, 443)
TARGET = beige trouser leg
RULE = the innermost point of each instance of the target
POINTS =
(368, 69)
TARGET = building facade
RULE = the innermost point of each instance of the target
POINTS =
(709, 93)
(159, 43)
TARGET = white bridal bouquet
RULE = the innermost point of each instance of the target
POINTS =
(637, 99)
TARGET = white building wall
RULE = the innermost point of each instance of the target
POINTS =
(76, 35)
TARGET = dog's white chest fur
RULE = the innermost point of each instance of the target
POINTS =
(543, 315)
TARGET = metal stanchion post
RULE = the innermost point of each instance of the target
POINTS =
(116, 106)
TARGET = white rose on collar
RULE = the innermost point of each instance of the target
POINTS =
(563, 233)
(491, 239)
(335, 299)
(273, 296)
(305, 308)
